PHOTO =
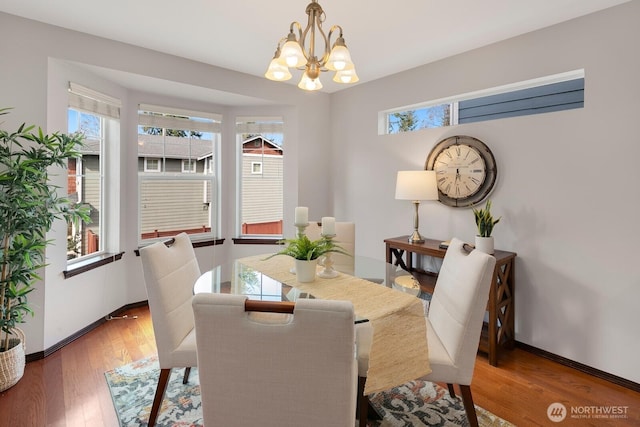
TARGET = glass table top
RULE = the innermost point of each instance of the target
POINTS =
(238, 278)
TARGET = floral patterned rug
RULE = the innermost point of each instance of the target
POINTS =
(415, 403)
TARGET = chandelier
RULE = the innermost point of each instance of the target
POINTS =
(299, 51)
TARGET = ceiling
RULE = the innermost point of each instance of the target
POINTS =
(383, 37)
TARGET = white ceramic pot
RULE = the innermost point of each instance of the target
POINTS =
(306, 270)
(485, 244)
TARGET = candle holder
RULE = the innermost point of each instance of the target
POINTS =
(328, 272)
(301, 229)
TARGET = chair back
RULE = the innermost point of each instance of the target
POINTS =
(169, 275)
(345, 238)
(266, 369)
(459, 302)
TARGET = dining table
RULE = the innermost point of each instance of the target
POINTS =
(396, 309)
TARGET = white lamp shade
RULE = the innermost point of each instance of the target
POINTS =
(277, 71)
(416, 185)
(346, 76)
(339, 59)
(307, 83)
(292, 54)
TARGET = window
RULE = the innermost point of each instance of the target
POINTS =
(256, 167)
(152, 165)
(260, 177)
(189, 166)
(96, 116)
(177, 158)
(553, 93)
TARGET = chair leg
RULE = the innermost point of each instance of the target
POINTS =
(187, 371)
(157, 399)
(452, 391)
(469, 408)
(363, 403)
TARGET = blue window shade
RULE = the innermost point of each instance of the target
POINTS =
(542, 99)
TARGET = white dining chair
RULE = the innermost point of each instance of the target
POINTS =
(345, 238)
(275, 370)
(170, 270)
(454, 321)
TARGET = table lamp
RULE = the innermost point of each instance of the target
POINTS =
(416, 186)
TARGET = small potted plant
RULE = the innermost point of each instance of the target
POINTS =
(306, 252)
(485, 224)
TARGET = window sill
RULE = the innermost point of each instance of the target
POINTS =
(195, 244)
(90, 264)
(256, 241)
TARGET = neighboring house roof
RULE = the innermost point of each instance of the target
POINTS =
(260, 145)
(175, 148)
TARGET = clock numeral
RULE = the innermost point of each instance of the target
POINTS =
(475, 180)
(443, 179)
(475, 160)
(458, 151)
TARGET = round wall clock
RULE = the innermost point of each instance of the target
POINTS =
(465, 170)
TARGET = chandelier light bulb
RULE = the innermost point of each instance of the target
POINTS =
(346, 76)
(292, 52)
(307, 83)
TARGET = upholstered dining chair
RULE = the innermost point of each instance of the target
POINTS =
(170, 270)
(345, 238)
(455, 318)
(274, 369)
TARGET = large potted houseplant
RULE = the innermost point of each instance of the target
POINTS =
(485, 224)
(306, 252)
(28, 204)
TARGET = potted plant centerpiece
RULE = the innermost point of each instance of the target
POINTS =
(485, 224)
(28, 204)
(306, 252)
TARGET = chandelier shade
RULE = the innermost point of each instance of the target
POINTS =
(298, 50)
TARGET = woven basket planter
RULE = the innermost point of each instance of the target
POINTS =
(12, 361)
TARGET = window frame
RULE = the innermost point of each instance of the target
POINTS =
(270, 128)
(384, 121)
(106, 109)
(209, 175)
(147, 168)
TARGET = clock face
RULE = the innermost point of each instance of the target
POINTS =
(465, 170)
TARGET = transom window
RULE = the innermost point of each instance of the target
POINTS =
(547, 94)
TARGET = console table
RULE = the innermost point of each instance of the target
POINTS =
(499, 331)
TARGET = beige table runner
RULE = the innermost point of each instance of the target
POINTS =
(399, 351)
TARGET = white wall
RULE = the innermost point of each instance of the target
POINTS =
(568, 182)
(38, 60)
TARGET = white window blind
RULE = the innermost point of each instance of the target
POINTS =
(255, 125)
(89, 100)
(172, 118)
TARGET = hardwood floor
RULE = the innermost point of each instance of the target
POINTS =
(68, 388)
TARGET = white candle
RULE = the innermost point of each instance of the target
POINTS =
(302, 216)
(328, 226)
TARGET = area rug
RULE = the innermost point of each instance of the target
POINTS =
(415, 403)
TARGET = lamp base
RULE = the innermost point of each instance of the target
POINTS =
(416, 237)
